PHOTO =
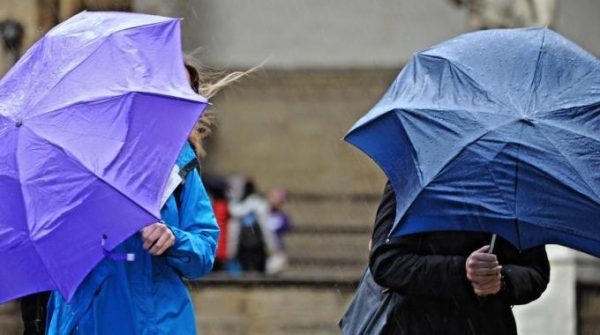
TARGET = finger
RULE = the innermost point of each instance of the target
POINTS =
(146, 231)
(153, 237)
(164, 242)
(169, 241)
(485, 280)
(486, 283)
(483, 249)
(485, 271)
(484, 257)
(474, 265)
(148, 241)
(483, 274)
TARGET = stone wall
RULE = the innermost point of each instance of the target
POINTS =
(39, 16)
(25, 12)
(10, 322)
(286, 128)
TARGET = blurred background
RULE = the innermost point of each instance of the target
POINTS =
(324, 64)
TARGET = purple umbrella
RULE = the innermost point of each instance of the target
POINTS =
(92, 119)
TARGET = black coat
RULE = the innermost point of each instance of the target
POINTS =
(428, 270)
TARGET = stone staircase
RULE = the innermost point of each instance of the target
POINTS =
(334, 252)
(328, 251)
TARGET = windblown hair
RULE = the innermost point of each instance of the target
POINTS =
(207, 82)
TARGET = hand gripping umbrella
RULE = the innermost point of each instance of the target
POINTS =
(92, 119)
(494, 131)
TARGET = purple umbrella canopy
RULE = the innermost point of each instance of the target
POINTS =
(92, 119)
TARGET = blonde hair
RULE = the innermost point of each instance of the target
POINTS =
(207, 82)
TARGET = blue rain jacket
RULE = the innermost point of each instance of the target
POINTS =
(146, 296)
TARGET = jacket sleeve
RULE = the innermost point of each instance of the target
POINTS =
(196, 237)
(396, 264)
(528, 279)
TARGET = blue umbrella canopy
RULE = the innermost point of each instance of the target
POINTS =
(493, 131)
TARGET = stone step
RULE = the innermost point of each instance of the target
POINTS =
(345, 210)
(328, 247)
(249, 310)
(276, 310)
(340, 273)
(293, 276)
(315, 216)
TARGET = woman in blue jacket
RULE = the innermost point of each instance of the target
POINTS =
(149, 295)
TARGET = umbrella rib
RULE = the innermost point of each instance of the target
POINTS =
(561, 229)
(466, 146)
(516, 204)
(101, 99)
(470, 79)
(580, 79)
(21, 182)
(576, 170)
(549, 123)
(413, 156)
(489, 168)
(450, 160)
(4, 124)
(50, 274)
(49, 90)
(536, 71)
(62, 108)
(27, 218)
(426, 110)
(71, 157)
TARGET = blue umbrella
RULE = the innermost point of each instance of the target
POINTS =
(493, 131)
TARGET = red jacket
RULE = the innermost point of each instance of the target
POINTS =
(221, 210)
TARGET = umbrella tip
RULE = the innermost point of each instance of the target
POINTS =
(19, 123)
(527, 120)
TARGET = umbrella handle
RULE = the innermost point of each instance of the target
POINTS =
(492, 244)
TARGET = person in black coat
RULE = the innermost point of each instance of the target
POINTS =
(449, 281)
(33, 313)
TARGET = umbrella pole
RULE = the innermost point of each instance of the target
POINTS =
(492, 244)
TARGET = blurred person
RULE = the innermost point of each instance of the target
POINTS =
(33, 313)
(236, 187)
(218, 188)
(449, 281)
(251, 241)
(149, 295)
(279, 225)
(491, 14)
(234, 194)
